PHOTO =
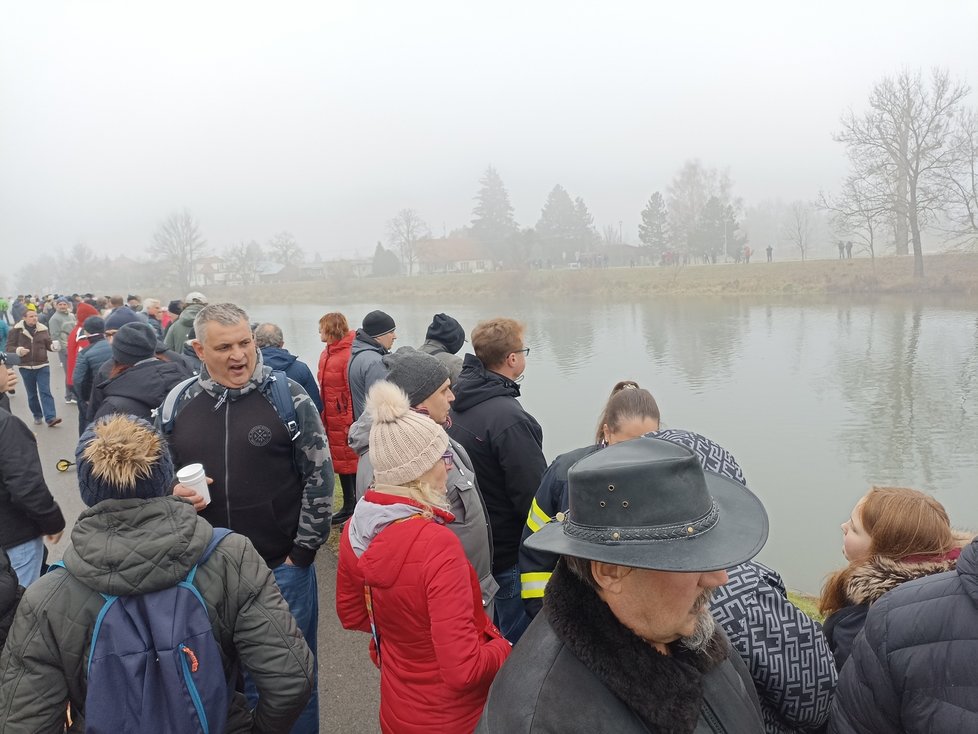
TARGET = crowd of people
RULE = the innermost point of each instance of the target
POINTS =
(613, 589)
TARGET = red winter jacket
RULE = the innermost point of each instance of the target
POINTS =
(334, 388)
(439, 652)
(74, 347)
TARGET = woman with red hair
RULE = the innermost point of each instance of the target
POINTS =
(334, 388)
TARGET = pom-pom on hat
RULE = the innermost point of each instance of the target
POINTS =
(377, 323)
(403, 444)
(122, 457)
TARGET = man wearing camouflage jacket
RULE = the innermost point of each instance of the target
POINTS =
(264, 483)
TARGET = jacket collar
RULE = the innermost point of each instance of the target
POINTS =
(665, 692)
(869, 582)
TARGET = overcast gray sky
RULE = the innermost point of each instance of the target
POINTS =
(325, 118)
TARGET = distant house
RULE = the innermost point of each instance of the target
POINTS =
(211, 270)
(451, 255)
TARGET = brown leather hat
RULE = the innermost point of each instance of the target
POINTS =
(647, 503)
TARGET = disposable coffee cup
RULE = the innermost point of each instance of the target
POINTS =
(192, 475)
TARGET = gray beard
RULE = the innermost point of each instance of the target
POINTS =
(705, 627)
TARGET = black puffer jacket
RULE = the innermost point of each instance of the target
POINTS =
(138, 391)
(27, 509)
(915, 667)
(578, 670)
(505, 444)
(125, 547)
(10, 591)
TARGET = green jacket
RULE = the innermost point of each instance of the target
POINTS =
(134, 546)
(179, 330)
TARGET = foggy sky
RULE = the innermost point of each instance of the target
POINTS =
(326, 118)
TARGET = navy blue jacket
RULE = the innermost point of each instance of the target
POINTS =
(281, 359)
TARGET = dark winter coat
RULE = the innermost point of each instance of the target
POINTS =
(784, 649)
(438, 650)
(334, 386)
(138, 391)
(297, 371)
(38, 344)
(505, 444)
(867, 584)
(915, 666)
(10, 593)
(27, 509)
(126, 547)
(365, 367)
(87, 365)
(578, 670)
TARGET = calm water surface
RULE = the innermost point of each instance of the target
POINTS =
(818, 400)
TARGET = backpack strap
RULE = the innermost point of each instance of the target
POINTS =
(276, 389)
(217, 536)
(168, 409)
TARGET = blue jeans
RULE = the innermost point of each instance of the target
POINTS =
(38, 382)
(298, 587)
(25, 559)
(510, 614)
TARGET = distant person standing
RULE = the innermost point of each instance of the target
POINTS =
(4, 307)
(747, 253)
(31, 341)
(179, 331)
(371, 343)
(151, 307)
(842, 250)
(334, 386)
(61, 324)
(770, 253)
(849, 250)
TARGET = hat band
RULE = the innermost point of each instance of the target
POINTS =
(611, 536)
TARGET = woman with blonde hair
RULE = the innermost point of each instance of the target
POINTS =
(893, 535)
(404, 577)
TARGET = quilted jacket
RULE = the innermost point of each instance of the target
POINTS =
(125, 547)
(10, 591)
(438, 650)
(334, 389)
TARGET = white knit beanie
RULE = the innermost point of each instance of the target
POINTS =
(403, 444)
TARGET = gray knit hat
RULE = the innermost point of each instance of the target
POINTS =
(416, 373)
(133, 343)
(403, 444)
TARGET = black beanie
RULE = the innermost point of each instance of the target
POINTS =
(94, 325)
(377, 323)
(416, 373)
(448, 331)
(133, 343)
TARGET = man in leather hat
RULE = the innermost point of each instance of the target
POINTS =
(626, 642)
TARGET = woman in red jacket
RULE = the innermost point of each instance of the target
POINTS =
(404, 577)
(76, 339)
(334, 388)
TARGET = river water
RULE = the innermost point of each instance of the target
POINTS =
(817, 399)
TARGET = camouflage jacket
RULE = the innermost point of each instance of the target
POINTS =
(260, 512)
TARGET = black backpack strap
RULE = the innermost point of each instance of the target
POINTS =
(276, 386)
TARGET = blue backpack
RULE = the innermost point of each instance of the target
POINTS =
(154, 663)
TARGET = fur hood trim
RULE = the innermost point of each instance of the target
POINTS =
(868, 583)
(664, 691)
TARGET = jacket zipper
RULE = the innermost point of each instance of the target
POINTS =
(711, 718)
(192, 688)
(227, 464)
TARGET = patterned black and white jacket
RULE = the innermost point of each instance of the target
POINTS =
(785, 650)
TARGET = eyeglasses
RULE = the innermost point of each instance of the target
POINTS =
(449, 459)
(525, 350)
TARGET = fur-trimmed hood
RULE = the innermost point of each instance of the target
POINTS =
(665, 692)
(869, 582)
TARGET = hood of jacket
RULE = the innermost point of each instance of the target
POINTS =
(277, 358)
(84, 311)
(364, 343)
(870, 581)
(381, 559)
(147, 382)
(476, 384)
(134, 546)
(188, 315)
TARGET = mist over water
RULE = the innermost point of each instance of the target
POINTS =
(817, 399)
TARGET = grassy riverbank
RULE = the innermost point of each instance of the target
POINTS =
(947, 273)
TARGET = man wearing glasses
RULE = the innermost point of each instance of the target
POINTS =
(506, 446)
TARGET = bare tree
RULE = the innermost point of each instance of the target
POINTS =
(961, 184)
(688, 193)
(904, 142)
(242, 261)
(285, 249)
(177, 243)
(404, 232)
(859, 211)
(797, 226)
